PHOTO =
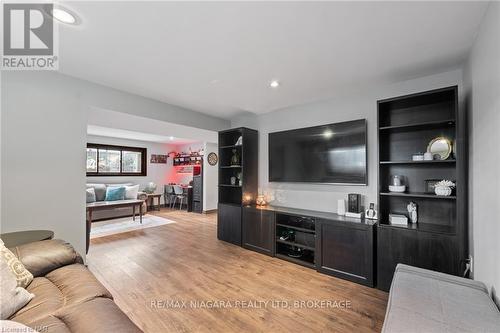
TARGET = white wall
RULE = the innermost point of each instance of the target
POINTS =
(482, 81)
(210, 179)
(156, 173)
(355, 103)
(43, 166)
(43, 139)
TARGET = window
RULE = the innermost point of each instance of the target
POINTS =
(106, 160)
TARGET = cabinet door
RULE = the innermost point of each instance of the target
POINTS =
(229, 223)
(258, 230)
(345, 251)
(394, 246)
(197, 186)
(438, 252)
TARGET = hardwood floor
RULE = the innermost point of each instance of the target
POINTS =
(184, 261)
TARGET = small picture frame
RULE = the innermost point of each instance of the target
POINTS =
(161, 159)
(430, 185)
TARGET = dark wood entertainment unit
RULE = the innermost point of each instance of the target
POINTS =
(332, 244)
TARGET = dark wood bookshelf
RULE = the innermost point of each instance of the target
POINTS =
(418, 195)
(232, 198)
(421, 125)
(438, 241)
(419, 162)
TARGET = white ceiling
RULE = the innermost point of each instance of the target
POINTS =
(219, 58)
(133, 135)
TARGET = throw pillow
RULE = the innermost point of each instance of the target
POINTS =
(100, 191)
(115, 193)
(14, 326)
(90, 195)
(131, 192)
(13, 297)
(21, 274)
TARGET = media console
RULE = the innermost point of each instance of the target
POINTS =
(332, 244)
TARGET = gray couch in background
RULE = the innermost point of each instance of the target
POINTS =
(100, 195)
(425, 301)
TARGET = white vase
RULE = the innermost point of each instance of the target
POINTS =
(442, 190)
(341, 207)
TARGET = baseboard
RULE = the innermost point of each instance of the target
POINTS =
(210, 211)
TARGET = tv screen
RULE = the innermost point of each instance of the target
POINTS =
(334, 154)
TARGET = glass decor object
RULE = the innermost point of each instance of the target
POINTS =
(235, 159)
(397, 184)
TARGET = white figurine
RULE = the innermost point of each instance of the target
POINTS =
(412, 211)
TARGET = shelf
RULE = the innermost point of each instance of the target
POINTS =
(423, 125)
(230, 204)
(230, 167)
(295, 228)
(423, 227)
(230, 146)
(420, 162)
(227, 185)
(305, 247)
(295, 260)
(418, 195)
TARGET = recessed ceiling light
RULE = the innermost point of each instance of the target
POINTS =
(274, 84)
(64, 16)
(171, 138)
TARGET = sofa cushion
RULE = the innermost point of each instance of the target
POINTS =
(90, 192)
(22, 275)
(100, 315)
(115, 193)
(425, 301)
(42, 257)
(131, 192)
(12, 297)
(100, 191)
(62, 287)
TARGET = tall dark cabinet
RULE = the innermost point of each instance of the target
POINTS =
(438, 241)
(238, 165)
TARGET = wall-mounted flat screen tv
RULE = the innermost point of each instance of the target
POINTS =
(330, 154)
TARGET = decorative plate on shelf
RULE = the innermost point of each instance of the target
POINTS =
(212, 158)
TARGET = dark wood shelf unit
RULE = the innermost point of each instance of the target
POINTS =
(311, 248)
(418, 195)
(439, 240)
(419, 162)
(295, 228)
(420, 126)
(232, 198)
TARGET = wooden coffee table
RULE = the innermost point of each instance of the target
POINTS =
(105, 205)
(13, 239)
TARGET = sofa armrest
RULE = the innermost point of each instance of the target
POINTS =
(45, 256)
(142, 196)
